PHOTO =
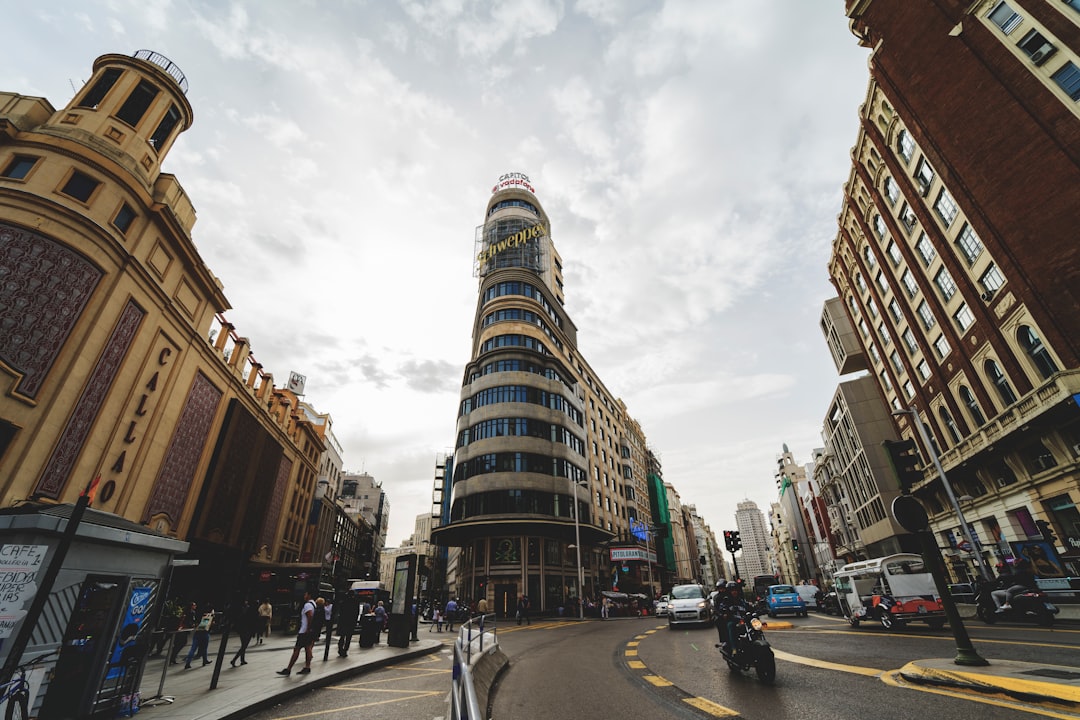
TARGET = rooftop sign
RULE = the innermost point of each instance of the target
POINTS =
(511, 180)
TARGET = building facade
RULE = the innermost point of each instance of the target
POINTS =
(956, 261)
(548, 465)
(755, 557)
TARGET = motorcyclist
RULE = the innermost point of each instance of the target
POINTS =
(1021, 579)
(728, 608)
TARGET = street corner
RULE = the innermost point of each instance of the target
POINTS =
(1027, 682)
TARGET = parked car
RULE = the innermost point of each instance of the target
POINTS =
(662, 606)
(688, 605)
(809, 594)
(781, 599)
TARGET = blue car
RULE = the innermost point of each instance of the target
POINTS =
(784, 599)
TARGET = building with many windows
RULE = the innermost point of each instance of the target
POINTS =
(548, 467)
(957, 264)
(755, 557)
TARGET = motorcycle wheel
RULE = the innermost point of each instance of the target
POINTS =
(886, 620)
(986, 614)
(853, 621)
(732, 666)
(766, 667)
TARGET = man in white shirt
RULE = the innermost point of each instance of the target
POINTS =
(304, 638)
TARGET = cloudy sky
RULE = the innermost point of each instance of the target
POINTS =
(690, 155)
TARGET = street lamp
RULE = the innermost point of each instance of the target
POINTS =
(577, 548)
(964, 526)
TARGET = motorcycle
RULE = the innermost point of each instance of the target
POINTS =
(1031, 604)
(754, 650)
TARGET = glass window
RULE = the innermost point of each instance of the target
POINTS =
(1004, 17)
(1068, 79)
(872, 307)
(909, 283)
(101, 88)
(863, 328)
(879, 227)
(906, 145)
(894, 252)
(926, 250)
(897, 363)
(1035, 349)
(137, 103)
(945, 283)
(947, 421)
(883, 332)
(909, 389)
(1035, 45)
(882, 282)
(909, 340)
(165, 128)
(860, 282)
(892, 190)
(894, 310)
(1001, 383)
(946, 207)
(964, 318)
(885, 381)
(124, 218)
(871, 261)
(907, 216)
(972, 405)
(19, 167)
(924, 175)
(926, 314)
(875, 354)
(80, 186)
(941, 346)
(992, 278)
(923, 370)
(969, 243)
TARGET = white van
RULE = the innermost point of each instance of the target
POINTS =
(809, 595)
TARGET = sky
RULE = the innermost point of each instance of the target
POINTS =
(690, 154)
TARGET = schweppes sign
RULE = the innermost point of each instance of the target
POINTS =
(510, 241)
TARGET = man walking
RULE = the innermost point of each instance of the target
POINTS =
(348, 613)
(451, 614)
(523, 609)
(304, 638)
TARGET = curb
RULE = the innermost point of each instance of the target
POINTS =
(994, 682)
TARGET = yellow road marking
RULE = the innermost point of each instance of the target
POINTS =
(630, 653)
(710, 707)
(942, 638)
(854, 669)
(635, 664)
(893, 678)
(633, 643)
(657, 680)
(640, 637)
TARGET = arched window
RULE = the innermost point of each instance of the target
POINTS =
(947, 421)
(1035, 349)
(996, 376)
(972, 405)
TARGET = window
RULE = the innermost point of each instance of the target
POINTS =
(907, 216)
(19, 167)
(860, 282)
(1068, 79)
(992, 279)
(894, 310)
(1036, 46)
(879, 227)
(972, 405)
(863, 329)
(946, 207)
(883, 332)
(882, 282)
(874, 354)
(165, 127)
(941, 346)
(909, 283)
(80, 186)
(137, 103)
(926, 250)
(885, 381)
(894, 252)
(909, 340)
(947, 421)
(909, 389)
(892, 190)
(869, 255)
(1005, 17)
(945, 284)
(1001, 383)
(927, 315)
(1035, 349)
(101, 88)
(872, 307)
(124, 218)
(924, 175)
(923, 369)
(897, 363)
(969, 243)
(963, 317)
(905, 144)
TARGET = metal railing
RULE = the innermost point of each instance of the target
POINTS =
(464, 704)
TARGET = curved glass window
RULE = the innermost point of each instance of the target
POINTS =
(511, 242)
(517, 365)
(525, 502)
(525, 289)
(518, 462)
(1004, 389)
(511, 314)
(514, 203)
(523, 341)
(1035, 349)
(521, 427)
(520, 394)
(972, 405)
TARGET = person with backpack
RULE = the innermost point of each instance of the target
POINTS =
(200, 641)
(305, 640)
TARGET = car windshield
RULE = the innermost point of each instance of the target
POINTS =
(687, 592)
(781, 589)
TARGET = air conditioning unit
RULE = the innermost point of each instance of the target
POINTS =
(1042, 54)
(987, 295)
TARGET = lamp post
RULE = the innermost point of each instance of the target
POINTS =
(964, 526)
(577, 547)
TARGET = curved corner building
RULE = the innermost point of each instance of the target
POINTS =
(534, 426)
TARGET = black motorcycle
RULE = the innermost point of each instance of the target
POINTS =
(1031, 604)
(753, 649)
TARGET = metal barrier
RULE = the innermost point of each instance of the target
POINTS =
(464, 704)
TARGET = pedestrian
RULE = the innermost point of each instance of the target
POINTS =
(304, 639)
(328, 611)
(248, 623)
(348, 614)
(605, 608)
(188, 621)
(523, 609)
(414, 618)
(482, 607)
(380, 616)
(266, 613)
(450, 614)
(200, 639)
(436, 620)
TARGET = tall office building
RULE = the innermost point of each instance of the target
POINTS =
(754, 559)
(548, 464)
(957, 261)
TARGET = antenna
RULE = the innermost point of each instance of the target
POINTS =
(72, 83)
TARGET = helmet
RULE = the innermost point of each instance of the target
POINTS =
(720, 585)
(732, 585)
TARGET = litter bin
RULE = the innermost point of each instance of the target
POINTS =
(369, 631)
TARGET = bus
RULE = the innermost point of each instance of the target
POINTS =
(370, 592)
(761, 586)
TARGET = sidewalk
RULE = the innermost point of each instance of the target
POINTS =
(246, 688)
(1027, 682)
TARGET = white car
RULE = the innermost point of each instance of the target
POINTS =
(689, 605)
(661, 606)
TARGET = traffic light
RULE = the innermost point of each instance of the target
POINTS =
(795, 545)
(727, 540)
(905, 461)
(1047, 532)
(736, 541)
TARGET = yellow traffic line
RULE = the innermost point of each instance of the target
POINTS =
(630, 653)
(658, 681)
(894, 679)
(635, 665)
(633, 643)
(710, 707)
(825, 665)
